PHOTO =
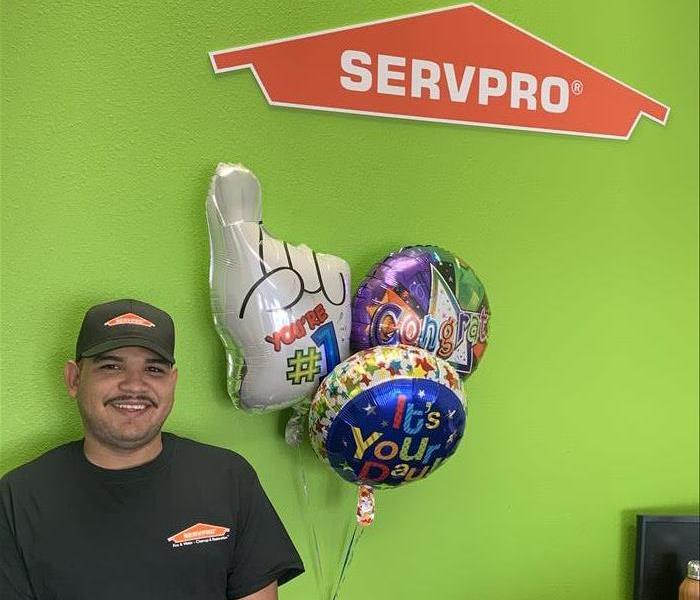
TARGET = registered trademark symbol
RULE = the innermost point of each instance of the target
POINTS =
(577, 87)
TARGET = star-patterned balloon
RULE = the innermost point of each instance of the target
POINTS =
(427, 297)
(388, 415)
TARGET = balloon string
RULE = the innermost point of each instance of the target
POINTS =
(315, 546)
(353, 537)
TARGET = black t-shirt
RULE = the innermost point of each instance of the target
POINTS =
(193, 523)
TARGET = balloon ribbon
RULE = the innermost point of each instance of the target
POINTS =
(364, 518)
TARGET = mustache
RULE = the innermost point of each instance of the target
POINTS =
(131, 398)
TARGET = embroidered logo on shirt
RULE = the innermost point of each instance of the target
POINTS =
(129, 319)
(199, 534)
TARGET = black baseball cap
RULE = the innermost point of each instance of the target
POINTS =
(126, 323)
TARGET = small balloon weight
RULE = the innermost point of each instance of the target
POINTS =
(424, 296)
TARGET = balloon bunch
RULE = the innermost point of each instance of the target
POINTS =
(394, 412)
(391, 413)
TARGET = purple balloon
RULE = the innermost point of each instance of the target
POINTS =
(427, 297)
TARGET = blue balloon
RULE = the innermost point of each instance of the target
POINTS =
(395, 432)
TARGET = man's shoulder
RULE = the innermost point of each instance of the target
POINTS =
(50, 462)
(199, 453)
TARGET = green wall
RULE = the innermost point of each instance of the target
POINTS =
(585, 408)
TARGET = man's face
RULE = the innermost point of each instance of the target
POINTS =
(124, 395)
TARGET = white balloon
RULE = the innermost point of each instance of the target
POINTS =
(282, 311)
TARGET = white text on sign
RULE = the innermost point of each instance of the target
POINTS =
(389, 77)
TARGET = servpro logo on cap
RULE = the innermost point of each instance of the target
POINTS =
(129, 319)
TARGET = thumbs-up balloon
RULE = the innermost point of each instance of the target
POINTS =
(282, 311)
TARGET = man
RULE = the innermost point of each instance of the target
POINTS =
(130, 512)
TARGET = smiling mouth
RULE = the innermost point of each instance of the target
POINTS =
(131, 407)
